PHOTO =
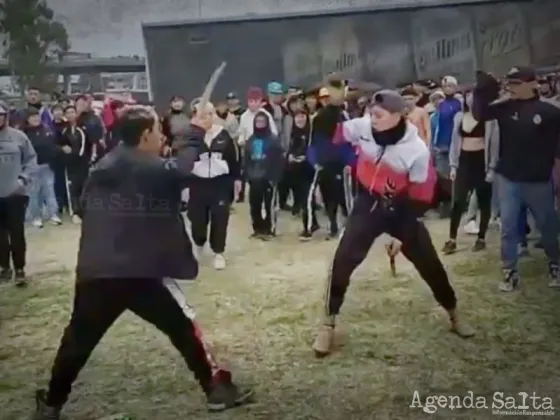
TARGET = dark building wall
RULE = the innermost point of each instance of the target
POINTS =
(388, 47)
(109, 28)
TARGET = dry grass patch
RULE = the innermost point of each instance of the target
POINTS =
(261, 314)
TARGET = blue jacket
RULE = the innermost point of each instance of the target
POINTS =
(446, 115)
(46, 116)
(322, 150)
(434, 124)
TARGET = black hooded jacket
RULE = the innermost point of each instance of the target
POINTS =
(44, 143)
(131, 221)
(299, 140)
(264, 156)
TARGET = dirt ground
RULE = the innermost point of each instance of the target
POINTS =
(262, 312)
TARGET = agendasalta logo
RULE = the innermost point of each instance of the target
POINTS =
(502, 404)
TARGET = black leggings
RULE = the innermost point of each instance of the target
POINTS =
(362, 228)
(471, 175)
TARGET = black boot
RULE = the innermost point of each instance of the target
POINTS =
(44, 411)
(226, 395)
(6, 275)
(21, 278)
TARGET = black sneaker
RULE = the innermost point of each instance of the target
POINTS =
(510, 282)
(479, 245)
(44, 411)
(227, 395)
(305, 236)
(450, 247)
(6, 275)
(21, 278)
(333, 234)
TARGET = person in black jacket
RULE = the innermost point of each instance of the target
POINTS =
(216, 171)
(133, 242)
(323, 155)
(300, 172)
(59, 165)
(113, 136)
(79, 151)
(42, 198)
(529, 131)
(264, 165)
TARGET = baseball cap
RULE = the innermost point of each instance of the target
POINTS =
(521, 74)
(4, 108)
(449, 81)
(389, 100)
(323, 93)
(275, 88)
(255, 93)
(232, 95)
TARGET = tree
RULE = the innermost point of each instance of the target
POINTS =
(33, 40)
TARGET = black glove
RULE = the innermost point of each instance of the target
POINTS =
(487, 85)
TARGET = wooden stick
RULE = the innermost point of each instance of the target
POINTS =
(207, 93)
(393, 265)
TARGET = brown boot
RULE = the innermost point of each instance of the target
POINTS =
(461, 328)
(324, 342)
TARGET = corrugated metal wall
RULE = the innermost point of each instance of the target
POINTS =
(388, 47)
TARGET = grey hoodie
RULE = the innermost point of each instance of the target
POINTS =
(18, 162)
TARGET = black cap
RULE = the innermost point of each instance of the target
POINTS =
(232, 95)
(521, 74)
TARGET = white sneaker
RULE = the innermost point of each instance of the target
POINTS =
(219, 262)
(471, 228)
(55, 220)
(38, 223)
(76, 219)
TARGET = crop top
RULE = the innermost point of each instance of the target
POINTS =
(479, 130)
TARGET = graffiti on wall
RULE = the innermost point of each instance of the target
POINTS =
(388, 48)
(501, 37)
(443, 43)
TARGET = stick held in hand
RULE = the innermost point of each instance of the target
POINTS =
(207, 93)
(393, 266)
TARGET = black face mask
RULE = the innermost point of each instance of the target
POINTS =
(391, 136)
(261, 131)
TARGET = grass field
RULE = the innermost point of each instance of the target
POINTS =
(261, 315)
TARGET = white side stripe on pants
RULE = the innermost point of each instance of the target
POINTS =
(348, 196)
(310, 195)
(173, 287)
(274, 210)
